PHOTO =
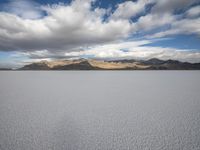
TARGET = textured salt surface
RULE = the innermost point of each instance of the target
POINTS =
(88, 110)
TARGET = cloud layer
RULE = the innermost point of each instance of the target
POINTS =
(58, 29)
(66, 27)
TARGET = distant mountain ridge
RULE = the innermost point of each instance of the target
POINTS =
(91, 64)
(5, 69)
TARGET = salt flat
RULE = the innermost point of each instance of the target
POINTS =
(88, 110)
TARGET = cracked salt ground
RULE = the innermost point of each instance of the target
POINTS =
(87, 110)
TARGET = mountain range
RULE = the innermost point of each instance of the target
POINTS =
(126, 64)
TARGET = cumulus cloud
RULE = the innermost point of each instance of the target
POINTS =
(152, 21)
(60, 30)
(193, 12)
(186, 26)
(23, 8)
(130, 9)
(170, 6)
(66, 27)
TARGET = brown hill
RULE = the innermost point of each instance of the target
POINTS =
(91, 64)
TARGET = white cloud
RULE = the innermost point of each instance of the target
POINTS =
(65, 28)
(193, 12)
(152, 21)
(69, 28)
(136, 50)
(186, 26)
(169, 6)
(23, 8)
(129, 9)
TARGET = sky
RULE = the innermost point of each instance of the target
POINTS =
(35, 30)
